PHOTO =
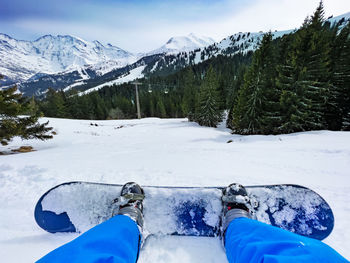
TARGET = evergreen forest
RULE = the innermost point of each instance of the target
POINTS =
(298, 82)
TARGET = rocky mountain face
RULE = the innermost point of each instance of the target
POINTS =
(64, 61)
(27, 61)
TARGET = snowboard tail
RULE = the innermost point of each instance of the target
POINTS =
(189, 211)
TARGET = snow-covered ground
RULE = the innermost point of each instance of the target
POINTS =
(165, 152)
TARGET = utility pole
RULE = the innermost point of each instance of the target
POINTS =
(137, 99)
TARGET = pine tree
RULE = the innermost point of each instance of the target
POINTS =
(293, 102)
(151, 108)
(304, 77)
(99, 108)
(341, 81)
(12, 104)
(233, 95)
(160, 109)
(208, 111)
(189, 98)
(86, 107)
(55, 105)
(317, 70)
(249, 105)
(257, 108)
(332, 112)
(33, 107)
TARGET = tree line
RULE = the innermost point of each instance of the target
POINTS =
(299, 83)
(172, 96)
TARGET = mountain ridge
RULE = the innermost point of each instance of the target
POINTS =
(22, 59)
(165, 60)
(183, 43)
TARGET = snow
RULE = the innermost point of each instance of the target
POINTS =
(165, 152)
(133, 74)
(49, 54)
(345, 16)
(73, 85)
(183, 43)
(297, 200)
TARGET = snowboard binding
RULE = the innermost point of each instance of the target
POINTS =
(236, 203)
(130, 203)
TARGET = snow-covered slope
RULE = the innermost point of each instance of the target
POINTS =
(129, 76)
(172, 59)
(241, 42)
(229, 46)
(165, 152)
(183, 43)
(21, 60)
(343, 19)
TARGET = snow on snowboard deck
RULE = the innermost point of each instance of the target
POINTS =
(189, 211)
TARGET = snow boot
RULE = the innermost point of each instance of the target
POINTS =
(235, 203)
(130, 203)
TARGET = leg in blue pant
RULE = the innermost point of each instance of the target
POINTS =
(116, 240)
(248, 240)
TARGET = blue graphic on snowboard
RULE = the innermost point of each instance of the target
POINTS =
(189, 211)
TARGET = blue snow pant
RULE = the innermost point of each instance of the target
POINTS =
(246, 240)
(116, 240)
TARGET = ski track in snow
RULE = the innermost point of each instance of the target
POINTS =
(165, 152)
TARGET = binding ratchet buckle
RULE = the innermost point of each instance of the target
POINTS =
(129, 197)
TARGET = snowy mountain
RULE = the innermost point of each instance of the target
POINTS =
(170, 61)
(23, 60)
(183, 43)
(27, 61)
(241, 42)
(63, 62)
(84, 78)
(229, 46)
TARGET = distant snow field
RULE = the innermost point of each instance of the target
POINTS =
(132, 75)
(165, 152)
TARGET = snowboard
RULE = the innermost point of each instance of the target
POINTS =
(188, 211)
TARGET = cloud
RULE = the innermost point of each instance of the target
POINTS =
(136, 40)
(266, 15)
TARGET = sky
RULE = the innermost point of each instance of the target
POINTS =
(144, 25)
